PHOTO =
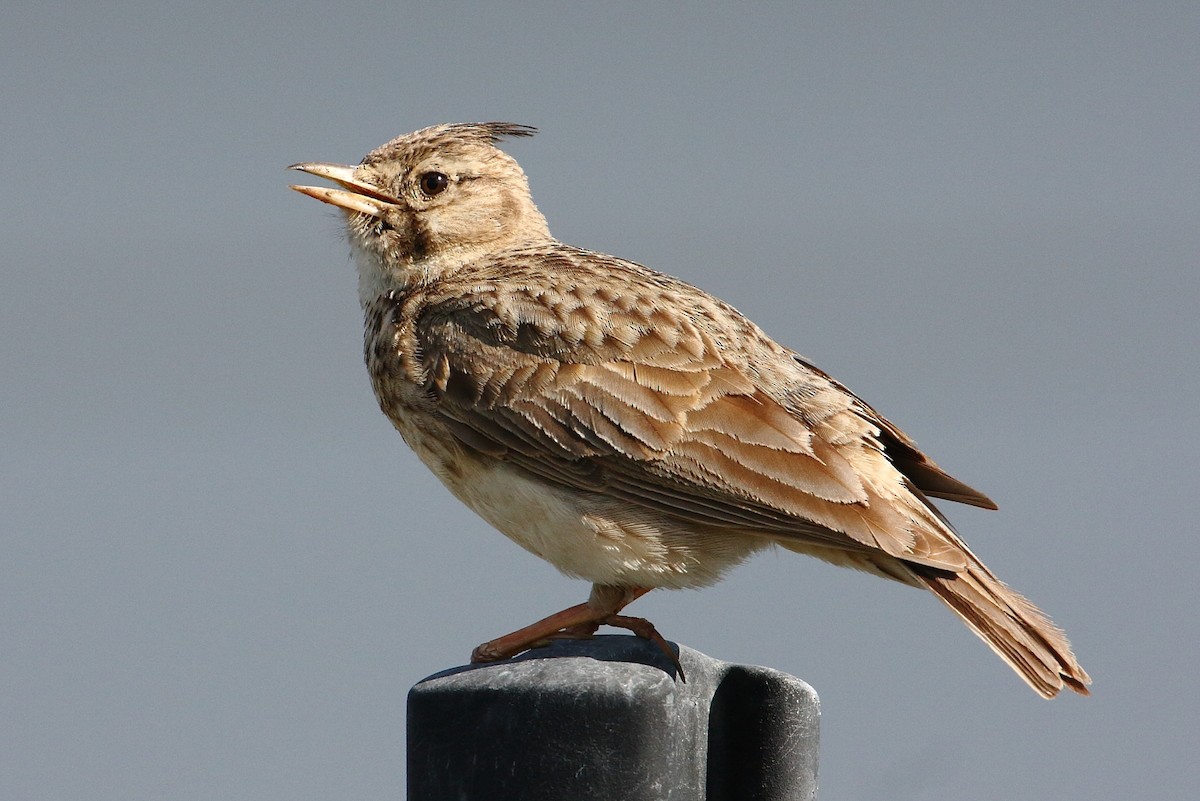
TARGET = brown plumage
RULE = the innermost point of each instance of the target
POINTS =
(626, 426)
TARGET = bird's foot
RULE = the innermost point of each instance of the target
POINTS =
(578, 617)
(577, 623)
(519, 641)
(645, 629)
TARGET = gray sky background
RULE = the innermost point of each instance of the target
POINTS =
(221, 570)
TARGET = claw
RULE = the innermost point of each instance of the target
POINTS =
(645, 629)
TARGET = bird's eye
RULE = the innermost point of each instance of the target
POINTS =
(434, 183)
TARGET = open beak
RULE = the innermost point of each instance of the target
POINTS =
(357, 196)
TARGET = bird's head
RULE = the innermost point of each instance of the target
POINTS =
(430, 200)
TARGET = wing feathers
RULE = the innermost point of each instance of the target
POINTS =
(645, 403)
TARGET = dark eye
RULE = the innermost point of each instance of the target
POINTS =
(434, 183)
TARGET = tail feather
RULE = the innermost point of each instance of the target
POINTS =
(1014, 628)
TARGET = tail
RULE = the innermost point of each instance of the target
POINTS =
(1014, 628)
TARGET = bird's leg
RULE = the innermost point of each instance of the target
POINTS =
(579, 622)
(582, 631)
(525, 638)
(603, 602)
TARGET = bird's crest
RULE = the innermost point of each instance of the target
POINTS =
(449, 137)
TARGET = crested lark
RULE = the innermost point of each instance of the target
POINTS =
(625, 426)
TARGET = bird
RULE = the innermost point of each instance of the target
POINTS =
(625, 426)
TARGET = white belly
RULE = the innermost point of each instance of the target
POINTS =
(582, 534)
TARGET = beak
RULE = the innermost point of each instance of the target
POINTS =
(358, 195)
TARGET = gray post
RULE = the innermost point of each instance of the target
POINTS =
(608, 719)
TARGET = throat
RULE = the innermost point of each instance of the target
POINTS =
(377, 276)
(374, 278)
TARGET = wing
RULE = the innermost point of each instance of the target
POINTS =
(618, 380)
(924, 474)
